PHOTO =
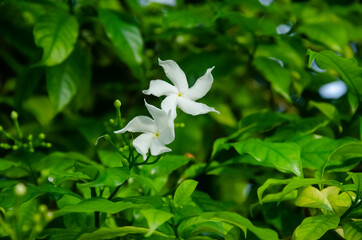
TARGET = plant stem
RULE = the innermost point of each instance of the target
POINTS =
(114, 192)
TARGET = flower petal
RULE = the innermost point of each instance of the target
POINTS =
(194, 108)
(159, 88)
(201, 87)
(143, 142)
(170, 104)
(164, 123)
(158, 148)
(175, 74)
(139, 124)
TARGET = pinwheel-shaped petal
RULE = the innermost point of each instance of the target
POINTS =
(156, 132)
(179, 94)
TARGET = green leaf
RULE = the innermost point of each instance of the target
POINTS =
(348, 69)
(313, 228)
(283, 156)
(268, 183)
(316, 150)
(299, 183)
(5, 164)
(110, 177)
(41, 108)
(329, 110)
(311, 197)
(64, 80)
(332, 34)
(231, 218)
(352, 230)
(126, 38)
(155, 218)
(357, 180)
(184, 191)
(96, 205)
(56, 33)
(109, 233)
(110, 158)
(340, 156)
(278, 76)
(299, 127)
(59, 177)
(166, 165)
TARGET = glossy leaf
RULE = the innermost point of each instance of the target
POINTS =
(313, 228)
(184, 191)
(155, 218)
(283, 156)
(109, 233)
(56, 33)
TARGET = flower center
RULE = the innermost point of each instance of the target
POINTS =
(157, 134)
(179, 94)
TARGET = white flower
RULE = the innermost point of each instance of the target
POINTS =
(157, 132)
(180, 94)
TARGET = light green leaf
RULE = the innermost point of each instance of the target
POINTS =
(299, 183)
(278, 76)
(58, 177)
(109, 233)
(56, 33)
(313, 228)
(155, 218)
(283, 156)
(96, 205)
(110, 177)
(184, 191)
(64, 80)
(352, 230)
(126, 38)
(311, 197)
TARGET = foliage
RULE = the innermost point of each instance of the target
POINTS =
(281, 161)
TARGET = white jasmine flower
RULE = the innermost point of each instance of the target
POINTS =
(180, 94)
(156, 132)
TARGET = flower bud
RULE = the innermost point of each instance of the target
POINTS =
(14, 115)
(42, 136)
(30, 137)
(1, 128)
(20, 189)
(15, 147)
(107, 137)
(117, 104)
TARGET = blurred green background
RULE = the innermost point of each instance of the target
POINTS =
(63, 63)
